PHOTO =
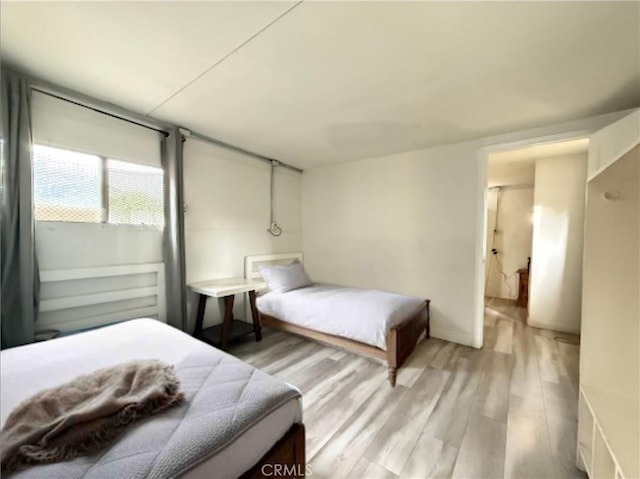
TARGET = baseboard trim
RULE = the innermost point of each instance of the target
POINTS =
(553, 327)
(452, 336)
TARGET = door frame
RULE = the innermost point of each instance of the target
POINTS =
(482, 204)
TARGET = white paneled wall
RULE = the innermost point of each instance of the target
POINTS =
(227, 215)
(75, 299)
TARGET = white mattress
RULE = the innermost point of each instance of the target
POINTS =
(29, 369)
(363, 315)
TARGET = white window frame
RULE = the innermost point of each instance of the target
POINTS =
(104, 192)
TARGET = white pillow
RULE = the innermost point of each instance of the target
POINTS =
(281, 279)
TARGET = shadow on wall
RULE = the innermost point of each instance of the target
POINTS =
(438, 318)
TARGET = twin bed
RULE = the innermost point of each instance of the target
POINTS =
(373, 323)
(235, 421)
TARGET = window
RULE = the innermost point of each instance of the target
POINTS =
(77, 187)
(135, 194)
(67, 186)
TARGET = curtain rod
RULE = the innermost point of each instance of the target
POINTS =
(207, 139)
(96, 105)
(114, 111)
(99, 110)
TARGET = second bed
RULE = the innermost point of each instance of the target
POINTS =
(373, 323)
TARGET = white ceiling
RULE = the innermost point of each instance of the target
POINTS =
(317, 83)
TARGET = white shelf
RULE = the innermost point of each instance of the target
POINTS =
(586, 429)
(618, 422)
(583, 457)
(603, 464)
(609, 414)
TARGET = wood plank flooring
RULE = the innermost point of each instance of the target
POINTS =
(505, 411)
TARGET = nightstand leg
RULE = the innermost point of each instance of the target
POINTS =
(255, 314)
(228, 320)
(202, 303)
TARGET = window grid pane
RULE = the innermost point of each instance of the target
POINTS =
(67, 185)
(135, 193)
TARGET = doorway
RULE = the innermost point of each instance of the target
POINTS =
(534, 234)
(509, 228)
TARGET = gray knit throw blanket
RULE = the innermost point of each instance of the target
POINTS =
(86, 413)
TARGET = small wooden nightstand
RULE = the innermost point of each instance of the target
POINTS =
(523, 288)
(221, 334)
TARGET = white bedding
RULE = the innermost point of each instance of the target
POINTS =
(29, 369)
(363, 315)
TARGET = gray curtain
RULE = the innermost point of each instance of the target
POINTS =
(174, 257)
(20, 280)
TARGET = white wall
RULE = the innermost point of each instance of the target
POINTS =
(513, 237)
(517, 172)
(558, 238)
(227, 200)
(414, 223)
(512, 240)
(403, 223)
(613, 141)
(612, 280)
(83, 245)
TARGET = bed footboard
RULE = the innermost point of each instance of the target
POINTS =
(285, 459)
(401, 340)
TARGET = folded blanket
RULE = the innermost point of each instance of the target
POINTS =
(86, 413)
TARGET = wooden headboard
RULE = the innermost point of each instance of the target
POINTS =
(252, 263)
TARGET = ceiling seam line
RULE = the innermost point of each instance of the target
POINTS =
(234, 50)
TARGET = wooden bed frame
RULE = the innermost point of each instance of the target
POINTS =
(286, 459)
(401, 340)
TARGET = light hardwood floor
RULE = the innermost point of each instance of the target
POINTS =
(505, 411)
